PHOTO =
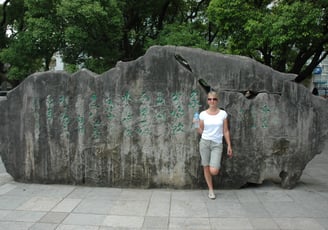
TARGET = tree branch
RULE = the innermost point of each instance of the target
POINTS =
(3, 21)
(307, 72)
(162, 15)
(194, 13)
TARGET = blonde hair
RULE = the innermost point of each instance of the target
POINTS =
(213, 93)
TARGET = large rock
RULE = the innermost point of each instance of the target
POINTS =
(131, 126)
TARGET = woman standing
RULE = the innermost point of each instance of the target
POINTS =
(213, 125)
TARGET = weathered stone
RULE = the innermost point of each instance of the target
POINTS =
(131, 126)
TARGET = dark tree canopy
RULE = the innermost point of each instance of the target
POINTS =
(288, 35)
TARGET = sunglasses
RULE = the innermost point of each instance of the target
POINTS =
(212, 99)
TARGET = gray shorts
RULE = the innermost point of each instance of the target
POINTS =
(211, 153)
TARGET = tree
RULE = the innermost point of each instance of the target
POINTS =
(284, 34)
(10, 13)
(92, 31)
(35, 36)
(288, 35)
(96, 34)
(185, 25)
(142, 21)
(180, 35)
(163, 22)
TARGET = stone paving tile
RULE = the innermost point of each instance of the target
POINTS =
(323, 222)
(188, 195)
(161, 196)
(43, 226)
(39, 204)
(160, 203)
(103, 193)
(24, 216)
(32, 190)
(246, 195)
(226, 195)
(299, 224)
(135, 194)
(305, 195)
(54, 191)
(264, 224)
(324, 195)
(6, 225)
(84, 219)
(185, 208)
(129, 208)
(132, 222)
(66, 205)
(316, 210)
(255, 210)
(6, 188)
(76, 227)
(155, 222)
(5, 178)
(94, 206)
(112, 228)
(54, 217)
(3, 213)
(273, 196)
(285, 209)
(225, 209)
(231, 224)
(178, 223)
(189, 204)
(258, 207)
(80, 192)
(159, 208)
(21, 190)
(12, 202)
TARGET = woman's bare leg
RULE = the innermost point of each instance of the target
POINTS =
(208, 177)
(208, 173)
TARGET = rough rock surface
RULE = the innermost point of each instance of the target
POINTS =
(131, 126)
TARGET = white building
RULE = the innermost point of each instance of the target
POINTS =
(320, 78)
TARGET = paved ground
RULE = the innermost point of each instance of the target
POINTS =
(32, 206)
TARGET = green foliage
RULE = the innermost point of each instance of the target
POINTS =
(71, 68)
(18, 54)
(85, 32)
(92, 30)
(284, 35)
(95, 34)
(179, 35)
(35, 38)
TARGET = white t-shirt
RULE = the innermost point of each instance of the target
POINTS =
(213, 125)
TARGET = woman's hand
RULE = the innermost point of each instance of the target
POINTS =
(229, 151)
(201, 127)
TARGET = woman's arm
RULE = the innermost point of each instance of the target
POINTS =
(201, 127)
(226, 134)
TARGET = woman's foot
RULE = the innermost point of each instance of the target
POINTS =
(211, 195)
